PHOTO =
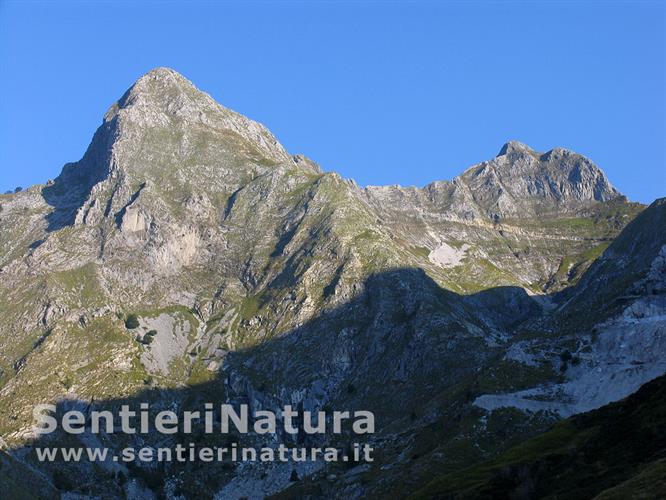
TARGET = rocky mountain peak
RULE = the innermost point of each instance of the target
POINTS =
(515, 148)
(164, 74)
(160, 78)
(167, 133)
(162, 90)
(165, 100)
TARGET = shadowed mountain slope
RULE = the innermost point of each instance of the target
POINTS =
(616, 452)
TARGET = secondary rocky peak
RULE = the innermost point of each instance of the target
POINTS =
(520, 181)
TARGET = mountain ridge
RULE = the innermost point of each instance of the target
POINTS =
(254, 276)
(162, 93)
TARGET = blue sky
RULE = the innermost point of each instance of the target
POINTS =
(383, 92)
